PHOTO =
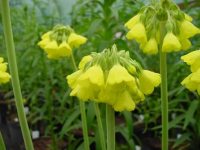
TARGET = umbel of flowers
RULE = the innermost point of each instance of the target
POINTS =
(161, 26)
(60, 41)
(4, 76)
(192, 82)
(112, 77)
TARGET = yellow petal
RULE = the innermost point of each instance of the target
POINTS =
(151, 47)
(118, 74)
(138, 33)
(189, 84)
(84, 61)
(148, 80)
(187, 29)
(133, 21)
(188, 17)
(185, 44)
(3, 67)
(64, 49)
(46, 35)
(76, 40)
(4, 77)
(1, 59)
(170, 43)
(72, 78)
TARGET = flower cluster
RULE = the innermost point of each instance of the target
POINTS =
(112, 77)
(161, 26)
(4, 76)
(60, 41)
(192, 82)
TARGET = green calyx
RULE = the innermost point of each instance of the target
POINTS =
(110, 57)
(60, 33)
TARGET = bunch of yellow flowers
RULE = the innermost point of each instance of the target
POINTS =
(60, 41)
(4, 76)
(112, 77)
(161, 26)
(192, 82)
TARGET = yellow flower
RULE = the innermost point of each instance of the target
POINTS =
(170, 43)
(120, 90)
(187, 29)
(86, 85)
(54, 51)
(151, 47)
(4, 76)
(84, 61)
(138, 33)
(192, 59)
(133, 21)
(76, 40)
(148, 80)
(192, 82)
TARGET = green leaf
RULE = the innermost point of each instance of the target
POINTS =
(190, 113)
(2, 145)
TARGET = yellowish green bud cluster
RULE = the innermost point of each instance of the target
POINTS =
(4, 76)
(161, 26)
(112, 77)
(192, 82)
(60, 41)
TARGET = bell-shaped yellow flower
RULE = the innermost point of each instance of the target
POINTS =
(88, 84)
(192, 82)
(118, 74)
(133, 21)
(4, 76)
(151, 47)
(148, 80)
(73, 78)
(84, 61)
(187, 29)
(192, 59)
(138, 33)
(170, 43)
(76, 40)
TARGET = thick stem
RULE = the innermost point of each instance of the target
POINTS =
(100, 126)
(110, 123)
(83, 114)
(164, 100)
(5, 11)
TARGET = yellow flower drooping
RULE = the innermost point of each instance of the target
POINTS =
(138, 33)
(149, 80)
(113, 78)
(161, 22)
(4, 76)
(192, 82)
(192, 59)
(170, 43)
(60, 41)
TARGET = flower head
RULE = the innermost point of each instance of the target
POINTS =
(161, 22)
(111, 77)
(60, 41)
(4, 76)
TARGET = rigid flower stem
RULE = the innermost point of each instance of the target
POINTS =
(110, 124)
(164, 100)
(5, 11)
(83, 114)
(100, 126)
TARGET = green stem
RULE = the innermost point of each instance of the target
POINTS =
(164, 100)
(2, 145)
(110, 123)
(83, 114)
(100, 126)
(5, 11)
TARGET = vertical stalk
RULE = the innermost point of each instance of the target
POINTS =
(110, 123)
(100, 126)
(83, 114)
(5, 11)
(2, 145)
(164, 100)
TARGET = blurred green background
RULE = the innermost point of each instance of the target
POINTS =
(46, 93)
